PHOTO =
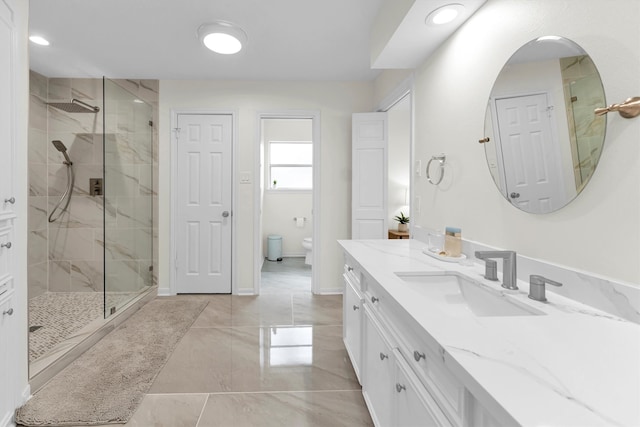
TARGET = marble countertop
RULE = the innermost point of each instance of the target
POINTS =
(573, 366)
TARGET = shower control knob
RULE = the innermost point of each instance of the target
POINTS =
(6, 245)
(12, 200)
(225, 214)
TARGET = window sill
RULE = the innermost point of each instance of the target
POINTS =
(288, 191)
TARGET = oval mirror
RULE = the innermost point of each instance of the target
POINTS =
(544, 138)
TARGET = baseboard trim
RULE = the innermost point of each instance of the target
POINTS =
(330, 291)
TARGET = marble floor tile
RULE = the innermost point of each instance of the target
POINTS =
(309, 309)
(210, 360)
(167, 410)
(300, 409)
(263, 310)
(291, 275)
(217, 313)
(200, 363)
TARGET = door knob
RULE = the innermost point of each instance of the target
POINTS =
(514, 195)
(9, 312)
(355, 307)
(6, 245)
(383, 356)
(400, 387)
(12, 200)
(417, 355)
(225, 214)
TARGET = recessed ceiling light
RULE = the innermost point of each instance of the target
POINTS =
(543, 38)
(39, 40)
(222, 37)
(444, 14)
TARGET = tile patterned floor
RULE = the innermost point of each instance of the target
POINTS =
(273, 360)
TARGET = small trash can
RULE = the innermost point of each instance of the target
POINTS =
(274, 247)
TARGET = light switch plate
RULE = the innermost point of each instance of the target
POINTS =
(245, 177)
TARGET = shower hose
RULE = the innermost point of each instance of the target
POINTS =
(66, 195)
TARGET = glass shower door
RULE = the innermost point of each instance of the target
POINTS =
(127, 186)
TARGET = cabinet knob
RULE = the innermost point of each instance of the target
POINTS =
(355, 307)
(8, 312)
(6, 245)
(417, 355)
(383, 356)
(349, 268)
(400, 387)
(374, 300)
(11, 200)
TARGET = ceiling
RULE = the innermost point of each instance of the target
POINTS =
(156, 39)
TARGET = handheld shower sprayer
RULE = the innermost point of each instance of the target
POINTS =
(70, 182)
(61, 148)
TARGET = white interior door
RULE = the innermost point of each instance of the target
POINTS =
(530, 160)
(203, 214)
(369, 176)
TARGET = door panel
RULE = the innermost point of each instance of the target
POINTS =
(534, 180)
(203, 220)
(369, 176)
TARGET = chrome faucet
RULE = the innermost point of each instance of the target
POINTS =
(509, 277)
(537, 289)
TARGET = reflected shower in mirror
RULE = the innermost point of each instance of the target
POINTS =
(544, 139)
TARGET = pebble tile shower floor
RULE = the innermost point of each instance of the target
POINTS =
(60, 314)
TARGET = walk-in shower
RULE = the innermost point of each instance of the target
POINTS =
(90, 255)
(71, 177)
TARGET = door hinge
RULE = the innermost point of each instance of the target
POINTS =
(151, 123)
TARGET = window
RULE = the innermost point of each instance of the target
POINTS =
(290, 165)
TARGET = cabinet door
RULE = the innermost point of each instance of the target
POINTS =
(414, 405)
(353, 325)
(7, 105)
(8, 381)
(377, 378)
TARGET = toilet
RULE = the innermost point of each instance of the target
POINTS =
(307, 245)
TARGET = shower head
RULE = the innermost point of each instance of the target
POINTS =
(75, 106)
(62, 148)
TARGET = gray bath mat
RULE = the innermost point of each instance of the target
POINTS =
(107, 383)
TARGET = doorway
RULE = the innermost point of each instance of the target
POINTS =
(202, 224)
(285, 236)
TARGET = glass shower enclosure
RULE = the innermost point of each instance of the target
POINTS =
(127, 187)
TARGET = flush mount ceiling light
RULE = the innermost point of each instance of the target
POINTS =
(222, 37)
(444, 14)
(39, 40)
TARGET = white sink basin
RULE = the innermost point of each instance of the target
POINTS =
(460, 295)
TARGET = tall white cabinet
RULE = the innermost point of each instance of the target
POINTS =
(13, 126)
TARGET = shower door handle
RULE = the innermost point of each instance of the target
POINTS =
(225, 214)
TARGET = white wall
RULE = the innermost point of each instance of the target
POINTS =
(281, 206)
(335, 101)
(600, 230)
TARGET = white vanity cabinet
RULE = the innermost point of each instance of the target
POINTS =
(377, 371)
(404, 379)
(352, 313)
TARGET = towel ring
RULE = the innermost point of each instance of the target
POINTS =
(440, 158)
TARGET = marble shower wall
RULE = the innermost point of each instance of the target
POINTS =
(67, 255)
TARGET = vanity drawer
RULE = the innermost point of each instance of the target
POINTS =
(352, 272)
(426, 360)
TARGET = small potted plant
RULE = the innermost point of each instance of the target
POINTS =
(403, 222)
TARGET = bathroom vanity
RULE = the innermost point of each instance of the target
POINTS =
(433, 343)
